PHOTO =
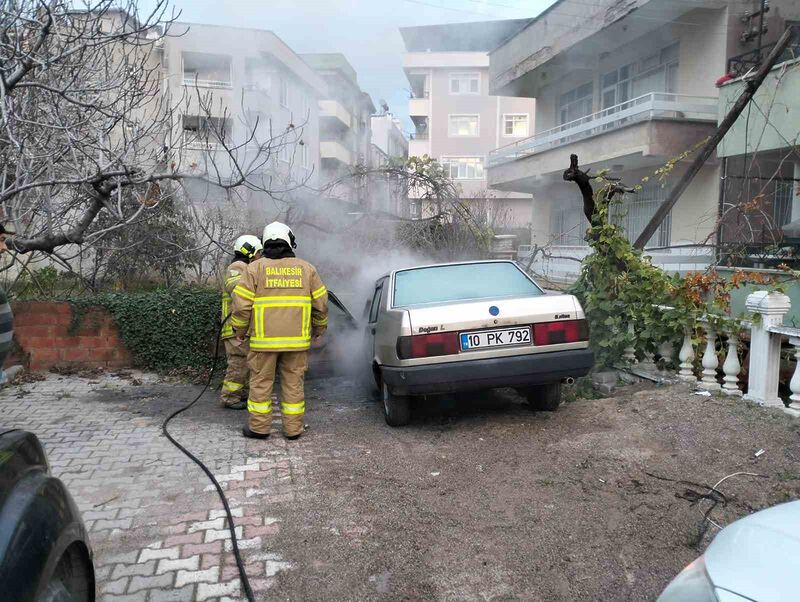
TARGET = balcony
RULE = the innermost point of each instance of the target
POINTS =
(635, 134)
(206, 70)
(774, 127)
(419, 107)
(418, 147)
(333, 109)
(644, 108)
(330, 150)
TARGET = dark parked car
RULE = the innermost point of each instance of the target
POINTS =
(44, 549)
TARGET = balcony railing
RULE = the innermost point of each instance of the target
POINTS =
(643, 108)
(190, 80)
(739, 65)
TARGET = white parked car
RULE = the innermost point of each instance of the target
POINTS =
(755, 559)
(471, 326)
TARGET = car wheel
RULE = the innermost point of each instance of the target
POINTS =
(73, 578)
(545, 397)
(396, 408)
(56, 591)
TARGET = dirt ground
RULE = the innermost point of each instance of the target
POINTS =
(480, 499)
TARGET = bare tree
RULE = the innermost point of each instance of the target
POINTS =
(87, 128)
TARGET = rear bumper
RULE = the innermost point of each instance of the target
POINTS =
(516, 371)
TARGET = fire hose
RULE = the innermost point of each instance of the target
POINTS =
(231, 526)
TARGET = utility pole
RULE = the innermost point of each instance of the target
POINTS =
(751, 86)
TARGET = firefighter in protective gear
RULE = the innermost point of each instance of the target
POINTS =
(234, 387)
(281, 304)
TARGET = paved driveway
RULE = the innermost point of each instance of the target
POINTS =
(478, 499)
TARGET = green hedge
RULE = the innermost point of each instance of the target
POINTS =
(163, 329)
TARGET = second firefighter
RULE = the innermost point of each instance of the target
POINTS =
(280, 304)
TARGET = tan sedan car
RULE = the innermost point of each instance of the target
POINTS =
(472, 326)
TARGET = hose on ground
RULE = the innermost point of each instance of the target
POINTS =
(231, 526)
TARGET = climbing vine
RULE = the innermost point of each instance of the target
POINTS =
(631, 303)
(163, 329)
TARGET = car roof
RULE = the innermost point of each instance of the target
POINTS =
(441, 265)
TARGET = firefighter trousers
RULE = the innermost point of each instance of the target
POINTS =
(234, 386)
(291, 366)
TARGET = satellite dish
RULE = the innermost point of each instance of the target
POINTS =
(384, 105)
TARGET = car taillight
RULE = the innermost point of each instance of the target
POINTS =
(427, 345)
(566, 331)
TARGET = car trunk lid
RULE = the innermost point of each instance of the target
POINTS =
(492, 313)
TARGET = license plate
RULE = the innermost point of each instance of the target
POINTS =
(495, 338)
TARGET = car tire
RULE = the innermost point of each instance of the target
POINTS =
(56, 591)
(545, 398)
(396, 408)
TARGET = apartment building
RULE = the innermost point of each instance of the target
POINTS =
(345, 126)
(240, 86)
(389, 144)
(626, 87)
(457, 122)
(388, 136)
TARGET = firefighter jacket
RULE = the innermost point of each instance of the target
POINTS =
(232, 275)
(280, 303)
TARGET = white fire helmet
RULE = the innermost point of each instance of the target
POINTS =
(247, 245)
(279, 231)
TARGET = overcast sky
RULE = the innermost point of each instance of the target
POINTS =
(365, 31)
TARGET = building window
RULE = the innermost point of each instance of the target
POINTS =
(515, 125)
(201, 132)
(658, 72)
(616, 86)
(465, 83)
(575, 104)
(635, 211)
(464, 126)
(206, 70)
(284, 93)
(463, 168)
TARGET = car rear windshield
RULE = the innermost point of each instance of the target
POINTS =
(460, 283)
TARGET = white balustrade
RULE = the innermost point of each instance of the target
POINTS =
(732, 368)
(765, 347)
(794, 384)
(629, 354)
(665, 351)
(686, 357)
(766, 334)
(710, 362)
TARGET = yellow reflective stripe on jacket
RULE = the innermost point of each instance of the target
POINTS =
(319, 292)
(281, 301)
(237, 323)
(259, 407)
(260, 343)
(320, 321)
(260, 307)
(244, 292)
(229, 385)
(227, 329)
(293, 408)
